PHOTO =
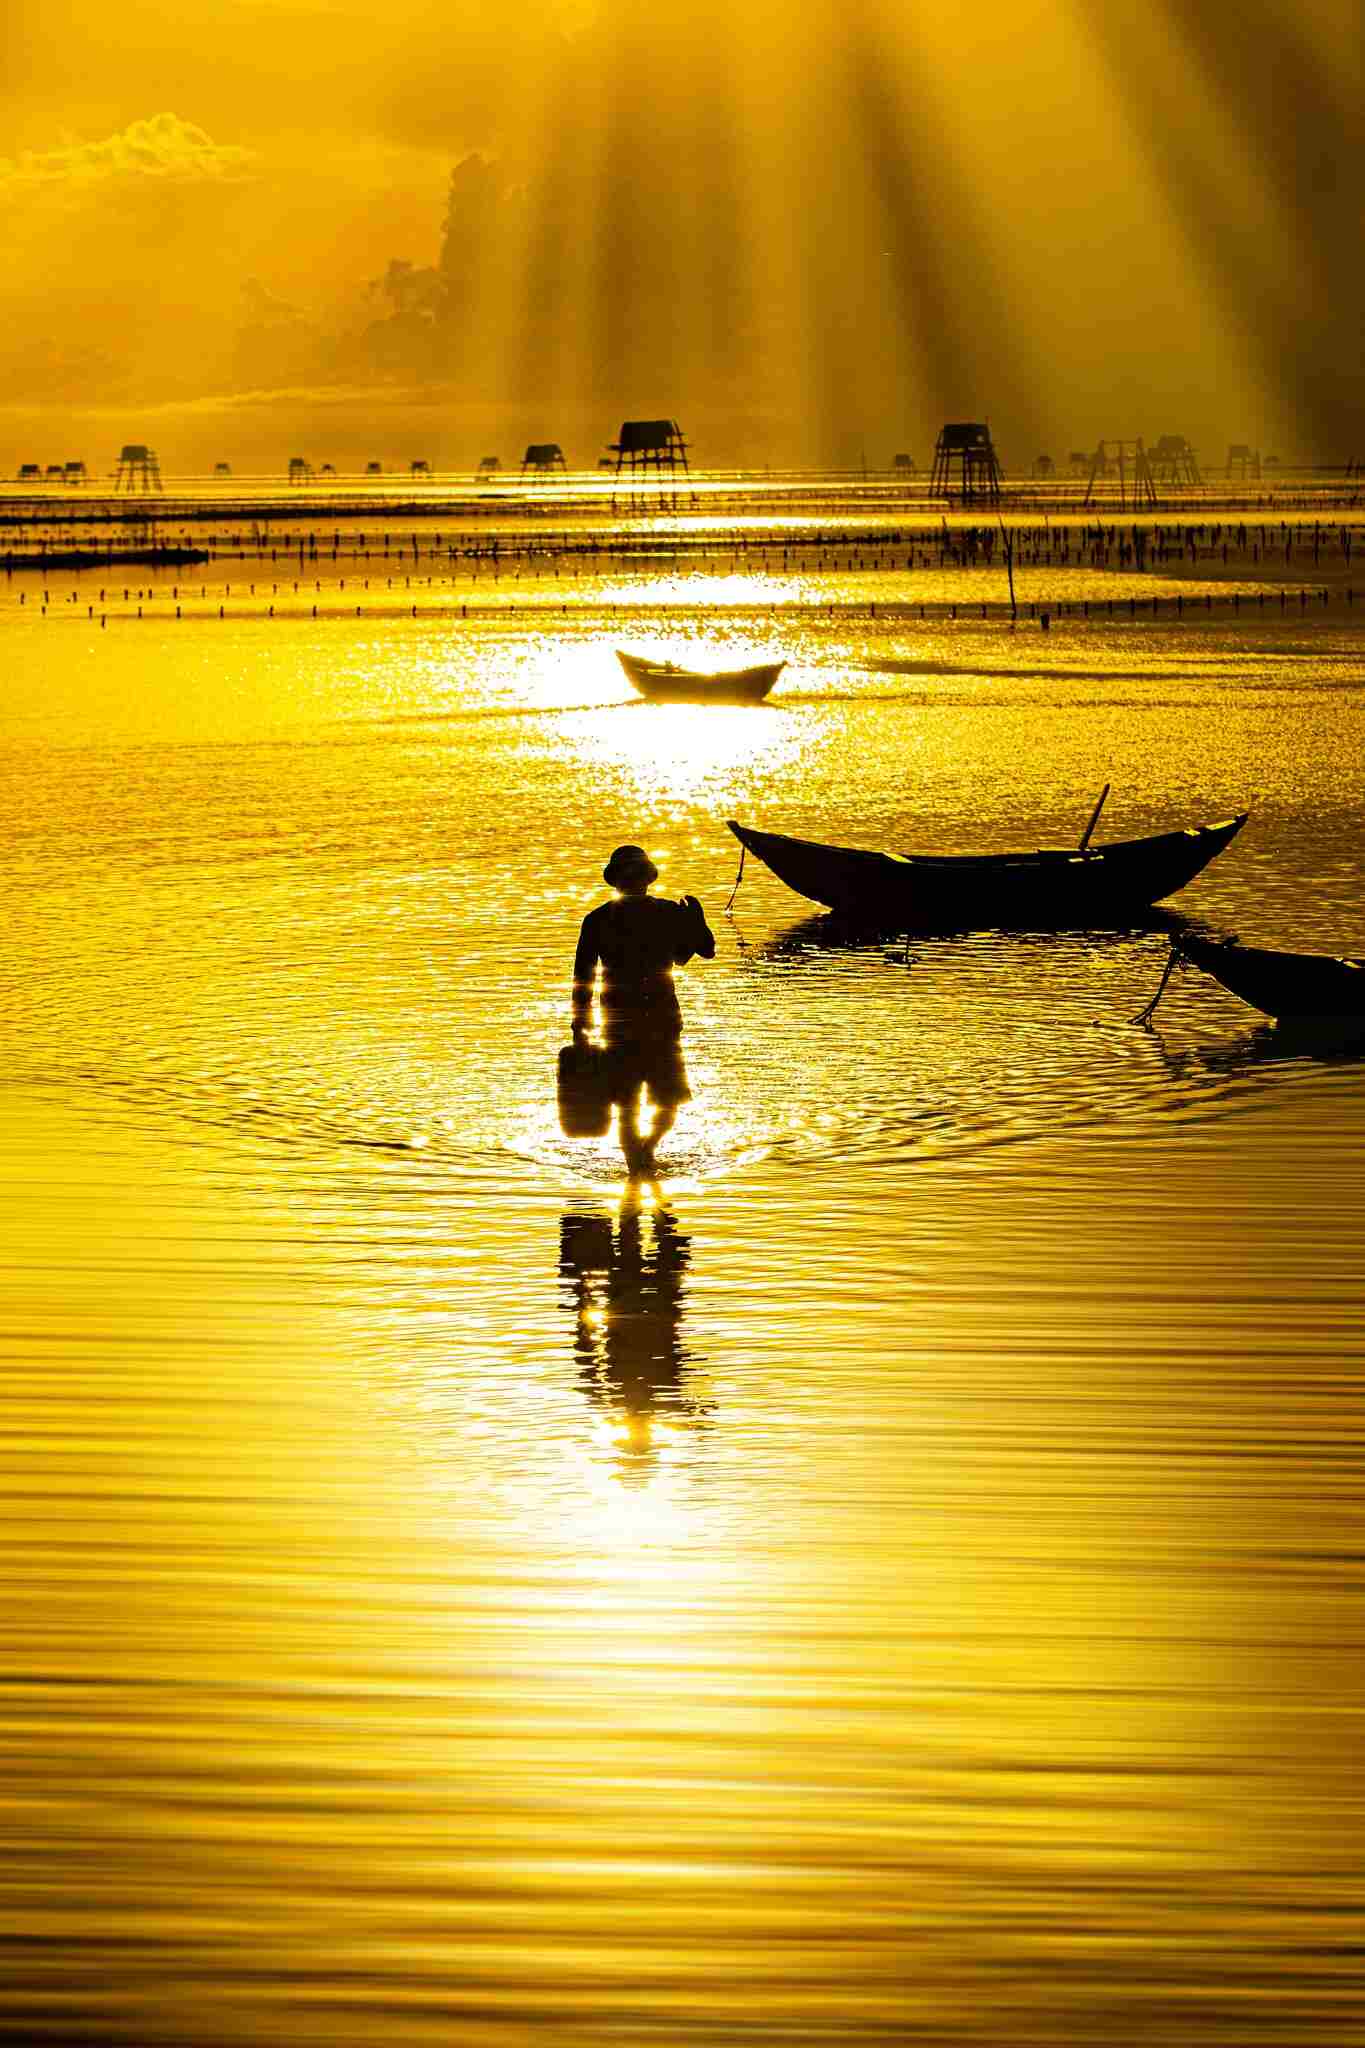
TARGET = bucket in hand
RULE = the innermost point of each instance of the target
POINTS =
(584, 1091)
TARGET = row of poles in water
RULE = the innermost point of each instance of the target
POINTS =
(1043, 611)
(966, 545)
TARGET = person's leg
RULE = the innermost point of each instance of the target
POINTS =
(668, 1090)
(665, 1116)
(628, 1130)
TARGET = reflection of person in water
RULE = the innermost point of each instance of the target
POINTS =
(637, 940)
(628, 1294)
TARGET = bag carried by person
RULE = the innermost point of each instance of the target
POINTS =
(699, 935)
(584, 1091)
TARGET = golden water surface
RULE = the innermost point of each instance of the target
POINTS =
(898, 1581)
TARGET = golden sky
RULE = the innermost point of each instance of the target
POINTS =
(808, 232)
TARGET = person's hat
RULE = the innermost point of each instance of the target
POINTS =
(628, 863)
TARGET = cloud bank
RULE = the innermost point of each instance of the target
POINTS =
(163, 149)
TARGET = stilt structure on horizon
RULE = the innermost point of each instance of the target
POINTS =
(965, 449)
(1174, 464)
(543, 458)
(138, 468)
(1244, 461)
(655, 448)
(1127, 460)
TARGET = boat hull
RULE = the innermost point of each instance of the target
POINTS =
(1106, 885)
(1298, 988)
(662, 683)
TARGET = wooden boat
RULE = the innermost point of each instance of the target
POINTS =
(902, 892)
(1302, 988)
(663, 682)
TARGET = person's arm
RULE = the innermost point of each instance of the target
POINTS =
(585, 961)
(694, 934)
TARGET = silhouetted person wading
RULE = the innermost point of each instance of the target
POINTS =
(637, 940)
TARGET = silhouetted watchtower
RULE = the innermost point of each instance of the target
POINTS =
(1173, 463)
(543, 458)
(1244, 461)
(138, 468)
(300, 469)
(73, 473)
(419, 466)
(1127, 460)
(654, 448)
(965, 464)
(905, 463)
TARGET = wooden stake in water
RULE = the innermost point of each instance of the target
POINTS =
(1008, 540)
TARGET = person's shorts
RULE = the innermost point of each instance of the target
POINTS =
(655, 1064)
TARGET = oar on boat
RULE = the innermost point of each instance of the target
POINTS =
(1094, 820)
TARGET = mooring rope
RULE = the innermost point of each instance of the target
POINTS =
(1173, 959)
(743, 849)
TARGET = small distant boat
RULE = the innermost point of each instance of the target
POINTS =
(663, 682)
(951, 892)
(1299, 988)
